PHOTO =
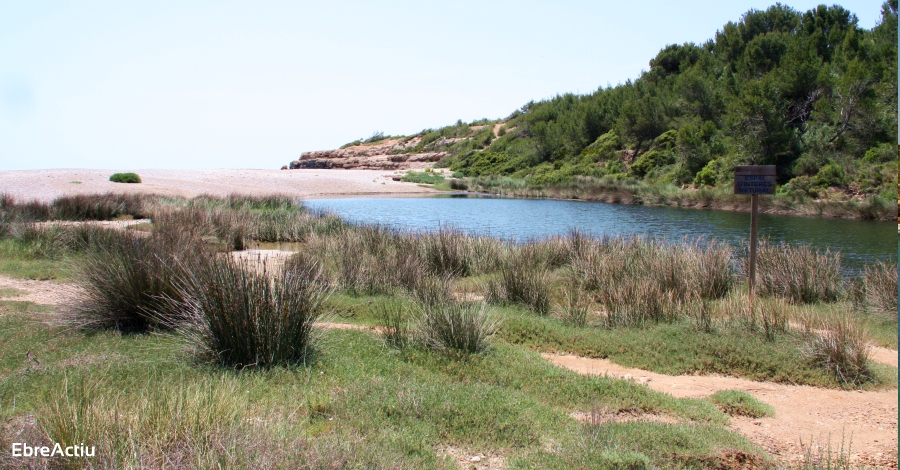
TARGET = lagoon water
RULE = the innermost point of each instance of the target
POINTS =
(860, 241)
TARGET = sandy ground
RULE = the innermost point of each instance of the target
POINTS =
(49, 184)
(867, 421)
(39, 292)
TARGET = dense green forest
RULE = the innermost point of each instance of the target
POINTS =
(810, 92)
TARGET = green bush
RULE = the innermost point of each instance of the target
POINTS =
(125, 178)
(708, 175)
(831, 175)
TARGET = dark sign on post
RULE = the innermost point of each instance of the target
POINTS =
(754, 179)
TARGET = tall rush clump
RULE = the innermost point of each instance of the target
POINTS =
(238, 315)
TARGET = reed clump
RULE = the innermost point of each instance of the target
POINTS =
(637, 280)
(880, 287)
(238, 316)
(523, 279)
(839, 345)
(449, 251)
(130, 281)
(801, 274)
(395, 324)
(459, 327)
(575, 307)
(77, 207)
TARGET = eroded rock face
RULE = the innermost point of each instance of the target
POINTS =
(381, 156)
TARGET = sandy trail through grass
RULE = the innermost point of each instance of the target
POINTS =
(804, 413)
(39, 292)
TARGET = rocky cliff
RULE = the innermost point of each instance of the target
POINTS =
(382, 155)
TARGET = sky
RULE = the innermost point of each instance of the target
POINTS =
(217, 84)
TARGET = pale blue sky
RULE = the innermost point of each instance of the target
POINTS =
(131, 85)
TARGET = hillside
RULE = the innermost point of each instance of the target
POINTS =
(810, 92)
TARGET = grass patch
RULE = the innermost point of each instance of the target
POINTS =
(426, 177)
(676, 348)
(11, 292)
(18, 261)
(739, 403)
(639, 445)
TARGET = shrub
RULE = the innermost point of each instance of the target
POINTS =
(458, 185)
(125, 178)
(840, 346)
(802, 274)
(739, 403)
(460, 327)
(238, 316)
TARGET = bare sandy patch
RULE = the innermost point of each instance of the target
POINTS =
(865, 420)
(41, 292)
(883, 355)
(470, 459)
(47, 185)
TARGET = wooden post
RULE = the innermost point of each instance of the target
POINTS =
(754, 208)
(754, 180)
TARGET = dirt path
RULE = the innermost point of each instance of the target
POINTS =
(39, 292)
(802, 413)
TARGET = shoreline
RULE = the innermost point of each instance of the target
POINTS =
(697, 200)
(48, 184)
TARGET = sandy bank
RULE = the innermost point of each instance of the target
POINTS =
(49, 184)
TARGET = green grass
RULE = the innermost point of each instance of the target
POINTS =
(676, 348)
(740, 403)
(10, 292)
(422, 178)
(639, 445)
(17, 261)
(346, 405)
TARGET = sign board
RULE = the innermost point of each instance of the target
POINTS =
(754, 179)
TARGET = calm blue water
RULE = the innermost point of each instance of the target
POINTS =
(860, 242)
